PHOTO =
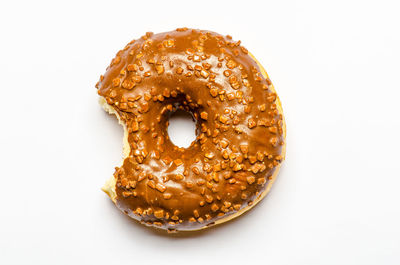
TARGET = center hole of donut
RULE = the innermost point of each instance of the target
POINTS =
(182, 128)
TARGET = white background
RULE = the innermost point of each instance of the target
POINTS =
(336, 67)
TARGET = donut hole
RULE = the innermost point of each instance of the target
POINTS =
(182, 128)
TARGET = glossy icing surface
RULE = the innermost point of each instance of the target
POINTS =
(239, 128)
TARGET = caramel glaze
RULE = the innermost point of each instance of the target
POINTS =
(239, 140)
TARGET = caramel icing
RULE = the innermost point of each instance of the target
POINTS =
(240, 128)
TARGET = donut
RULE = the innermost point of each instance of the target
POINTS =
(240, 129)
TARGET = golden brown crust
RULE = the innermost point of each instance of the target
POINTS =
(241, 132)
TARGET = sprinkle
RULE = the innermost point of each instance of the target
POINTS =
(159, 214)
(209, 155)
(178, 177)
(251, 180)
(204, 115)
(161, 188)
(252, 123)
(178, 162)
(196, 213)
(244, 148)
(151, 184)
(237, 167)
(214, 207)
(132, 67)
(261, 181)
(204, 73)
(116, 82)
(274, 141)
(196, 170)
(227, 73)
(231, 64)
(167, 196)
(273, 130)
(214, 92)
(160, 69)
(224, 143)
(223, 119)
(128, 84)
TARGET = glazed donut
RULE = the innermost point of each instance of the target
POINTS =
(240, 129)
